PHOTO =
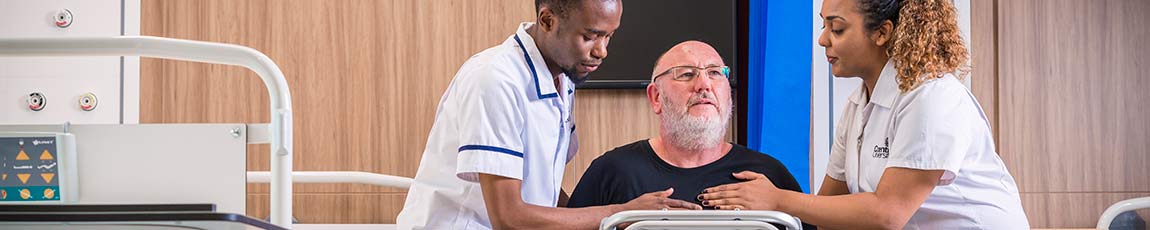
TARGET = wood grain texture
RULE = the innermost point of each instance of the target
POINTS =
(984, 55)
(1073, 98)
(1073, 210)
(1072, 105)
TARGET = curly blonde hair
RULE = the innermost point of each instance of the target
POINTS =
(927, 43)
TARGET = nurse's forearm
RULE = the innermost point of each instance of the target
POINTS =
(900, 193)
(530, 216)
(507, 210)
(854, 211)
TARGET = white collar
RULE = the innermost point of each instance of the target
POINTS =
(544, 83)
(885, 89)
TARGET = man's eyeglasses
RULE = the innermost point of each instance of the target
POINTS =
(688, 73)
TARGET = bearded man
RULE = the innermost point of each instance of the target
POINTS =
(691, 93)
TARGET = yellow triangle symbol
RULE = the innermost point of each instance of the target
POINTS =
(22, 155)
(47, 177)
(23, 177)
(45, 155)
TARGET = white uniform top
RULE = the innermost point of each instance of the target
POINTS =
(502, 116)
(937, 126)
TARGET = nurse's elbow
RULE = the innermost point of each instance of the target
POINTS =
(889, 220)
(504, 219)
(891, 224)
(499, 223)
(502, 222)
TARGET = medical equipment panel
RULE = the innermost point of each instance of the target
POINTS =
(131, 164)
(37, 168)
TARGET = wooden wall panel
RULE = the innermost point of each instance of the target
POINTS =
(1073, 210)
(984, 45)
(1073, 100)
(1072, 105)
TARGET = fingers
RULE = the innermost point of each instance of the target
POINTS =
(720, 188)
(723, 202)
(719, 195)
(748, 175)
(664, 193)
(731, 207)
(675, 203)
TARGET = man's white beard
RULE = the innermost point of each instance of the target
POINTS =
(693, 132)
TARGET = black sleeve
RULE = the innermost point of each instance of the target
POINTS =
(591, 187)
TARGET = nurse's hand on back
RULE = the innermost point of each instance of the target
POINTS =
(504, 130)
(913, 148)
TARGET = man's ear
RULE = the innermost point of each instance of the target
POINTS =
(547, 19)
(883, 34)
(653, 98)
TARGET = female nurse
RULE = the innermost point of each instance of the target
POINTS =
(913, 149)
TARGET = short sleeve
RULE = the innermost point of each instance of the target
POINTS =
(491, 122)
(933, 129)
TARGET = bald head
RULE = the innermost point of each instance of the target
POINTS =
(694, 109)
(688, 53)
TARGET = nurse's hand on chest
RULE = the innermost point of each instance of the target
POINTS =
(753, 194)
(901, 191)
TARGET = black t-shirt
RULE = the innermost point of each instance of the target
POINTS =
(632, 170)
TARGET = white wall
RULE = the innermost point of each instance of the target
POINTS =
(63, 80)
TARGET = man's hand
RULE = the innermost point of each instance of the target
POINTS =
(658, 201)
(756, 193)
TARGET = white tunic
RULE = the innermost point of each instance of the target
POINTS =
(501, 115)
(937, 126)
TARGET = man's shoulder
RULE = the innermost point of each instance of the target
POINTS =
(498, 63)
(624, 155)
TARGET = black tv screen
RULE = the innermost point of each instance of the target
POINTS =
(650, 27)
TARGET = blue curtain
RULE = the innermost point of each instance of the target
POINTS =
(779, 83)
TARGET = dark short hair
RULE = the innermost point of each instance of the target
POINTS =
(559, 7)
(562, 7)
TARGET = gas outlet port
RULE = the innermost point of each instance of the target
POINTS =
(88, 102)
(37, 101)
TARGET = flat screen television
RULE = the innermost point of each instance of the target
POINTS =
(650, 27)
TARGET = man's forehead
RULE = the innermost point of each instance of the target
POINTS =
(598, 15)
(692, 54)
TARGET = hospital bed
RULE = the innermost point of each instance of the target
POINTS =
(701, 219)
(1107, 220)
